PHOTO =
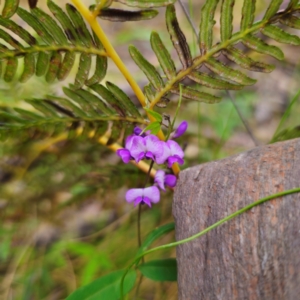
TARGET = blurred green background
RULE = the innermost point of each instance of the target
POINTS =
(64, 219)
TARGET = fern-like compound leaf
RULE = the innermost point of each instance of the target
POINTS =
(177, 37)
(226, 19)
(148, 69)
(163, 55)
(272, 9)
(248, 14)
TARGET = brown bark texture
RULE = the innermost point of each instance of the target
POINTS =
(255, 255)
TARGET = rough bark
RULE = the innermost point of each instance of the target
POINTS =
(257, 254)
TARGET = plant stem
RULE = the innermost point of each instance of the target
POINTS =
(91, 19)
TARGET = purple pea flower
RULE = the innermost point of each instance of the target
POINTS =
(137, 131)
(161, 179)
(181, 129)
(172, 153)
(145, 147)
(124, 153)
(144, 196)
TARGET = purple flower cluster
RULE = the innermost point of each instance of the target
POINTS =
(140, 146)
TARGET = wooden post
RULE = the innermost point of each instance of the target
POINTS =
(254, 256)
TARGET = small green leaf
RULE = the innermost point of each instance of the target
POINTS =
(246, 62)
(105, 287)
(85, 63)
(42, 63)
(29, 67)
(28, 114)
(260, 46)
(118, 15)
(156, 115)
(212, 82)
(226, 19)
(292, 4)
(100, 71)
(192, 94)
(148, 69)
(54, 66)
(228, 73)
(154, 235)
(11, 69)
(272, 9)
(153, 127)
(42, 106)
(10, 40)
(248, 14)
(163, 56)
(123, 98)
(280, 35)
(206, 25)
(66, 65)
(10, 7)
(146, 3)
(160, 270)
(178, 37)
(33, 22)
(12, 117)
(291, 21)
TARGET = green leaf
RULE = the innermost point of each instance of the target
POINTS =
(160, 270)
(100, 71)
(65, 22)
(154, 114)
(212, 82)
(18, 30)
(192, 94)
(11, 69)
(206, 25)
(123, 98)
(10, 7)
(105, 287)
(42, 63)
(10, 40)
(146, 3)
(163, 56)
(33, 22)
(228, 73)
(85, 63)
(226, 19)
(291, 21)
(246, 62)
(29, 67)
(272, 9)
(154, 235)
(51, 26)
(118, 15)
(153, 127)
(248, 14)
(43, 107)
(66, 65)
(28, 114)
(260, 46)
(148, 69)
(178, 37)
(280, 35)
(54, 67)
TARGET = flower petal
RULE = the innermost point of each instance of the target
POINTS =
(137, 130)
(175, 148)
(124, 154)
(163, 156)
(133, 194)
(152, 193)
(137, 147)
(153, 144)
(138, 200)
(147, 201)
(181, 129)
(159, 179)
(174, 159)
(128, 141)
(170, 180)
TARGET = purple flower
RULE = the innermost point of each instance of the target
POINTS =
(161, 179)
(181, 129)
(124, 153)
(172, 153)
(137, 131)
(145, 147)
(145, 196)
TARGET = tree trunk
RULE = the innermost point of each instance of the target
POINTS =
(255, 255)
